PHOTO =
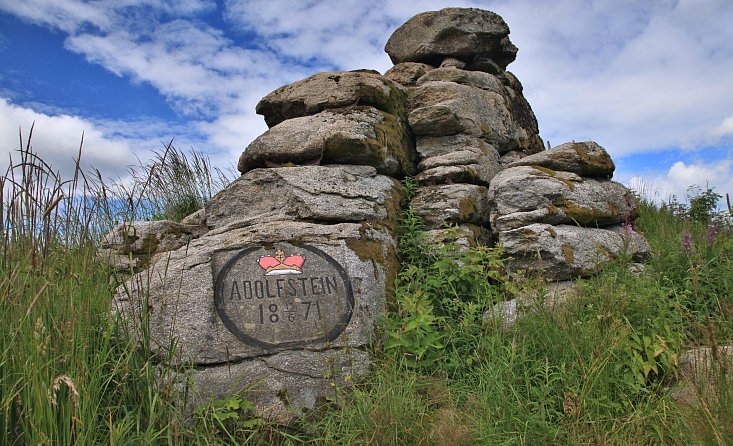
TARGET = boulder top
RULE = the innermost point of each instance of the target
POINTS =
(477, 37)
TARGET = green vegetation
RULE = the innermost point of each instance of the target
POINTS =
(601, 369)
(171, 186)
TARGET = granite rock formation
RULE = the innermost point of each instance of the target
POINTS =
(564, 223)
(276, 288)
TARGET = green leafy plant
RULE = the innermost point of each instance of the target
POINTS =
(442, 293)
(702, 203)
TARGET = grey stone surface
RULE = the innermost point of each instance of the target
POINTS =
(484, 81)
(452, 62)
(129, 247)
(445, 108)
(332, 194)
(505, 313)
(472, 173)
(456, 158)
(587, 159)
(332, 90)
(507, 158)
(453, 150)
(564, 252)
(466, 34)
(523, 195)
(181, 289)
(196, 218)
(697, 363)
(407, 73)
(699, 373)
(441, 205)
(355, 135)
(284, 385)
(552, 297)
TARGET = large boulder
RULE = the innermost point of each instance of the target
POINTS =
(179, 288)
(477, 37)
(505, 84)
(289, 339)
(447, 204)
(523, 195)
(445, 108)
(329, 194)
(330, 90)
(354, 135)
(564, 252)
(456, 159)
(586, 159)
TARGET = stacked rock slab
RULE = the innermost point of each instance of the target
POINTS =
(466, 112)
(281, 296)
(557, 212)
(275, 289)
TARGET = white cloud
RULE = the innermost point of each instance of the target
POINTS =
(71, 16)
(66, 15)
(346, 34)
(725, 128)
(681, 176)
(56, 139)
(199, 71)
(634, 76)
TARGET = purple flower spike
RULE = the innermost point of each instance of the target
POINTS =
(687, 242)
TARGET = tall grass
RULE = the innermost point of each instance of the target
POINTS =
(68, 373)
(170, 186)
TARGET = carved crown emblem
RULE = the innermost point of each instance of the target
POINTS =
(280, 264)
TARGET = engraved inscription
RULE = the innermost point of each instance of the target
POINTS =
(284, 297)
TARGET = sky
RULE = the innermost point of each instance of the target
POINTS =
(651, 81)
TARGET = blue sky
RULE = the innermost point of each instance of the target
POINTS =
(651, 81)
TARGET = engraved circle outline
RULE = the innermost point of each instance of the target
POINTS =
(339, 328)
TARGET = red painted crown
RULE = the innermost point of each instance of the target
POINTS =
(279, 264)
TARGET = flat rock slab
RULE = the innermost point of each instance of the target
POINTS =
(355, 135)
(564, 252)
(457, 159)
(443, 205)
(129, 247)
(284, 385)
(523, 195)
(407, 73)
(586, 159)
(331, 90)
(467, 34)
(217, 300)
(331, 194)
(445, 108)
(478, 79)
